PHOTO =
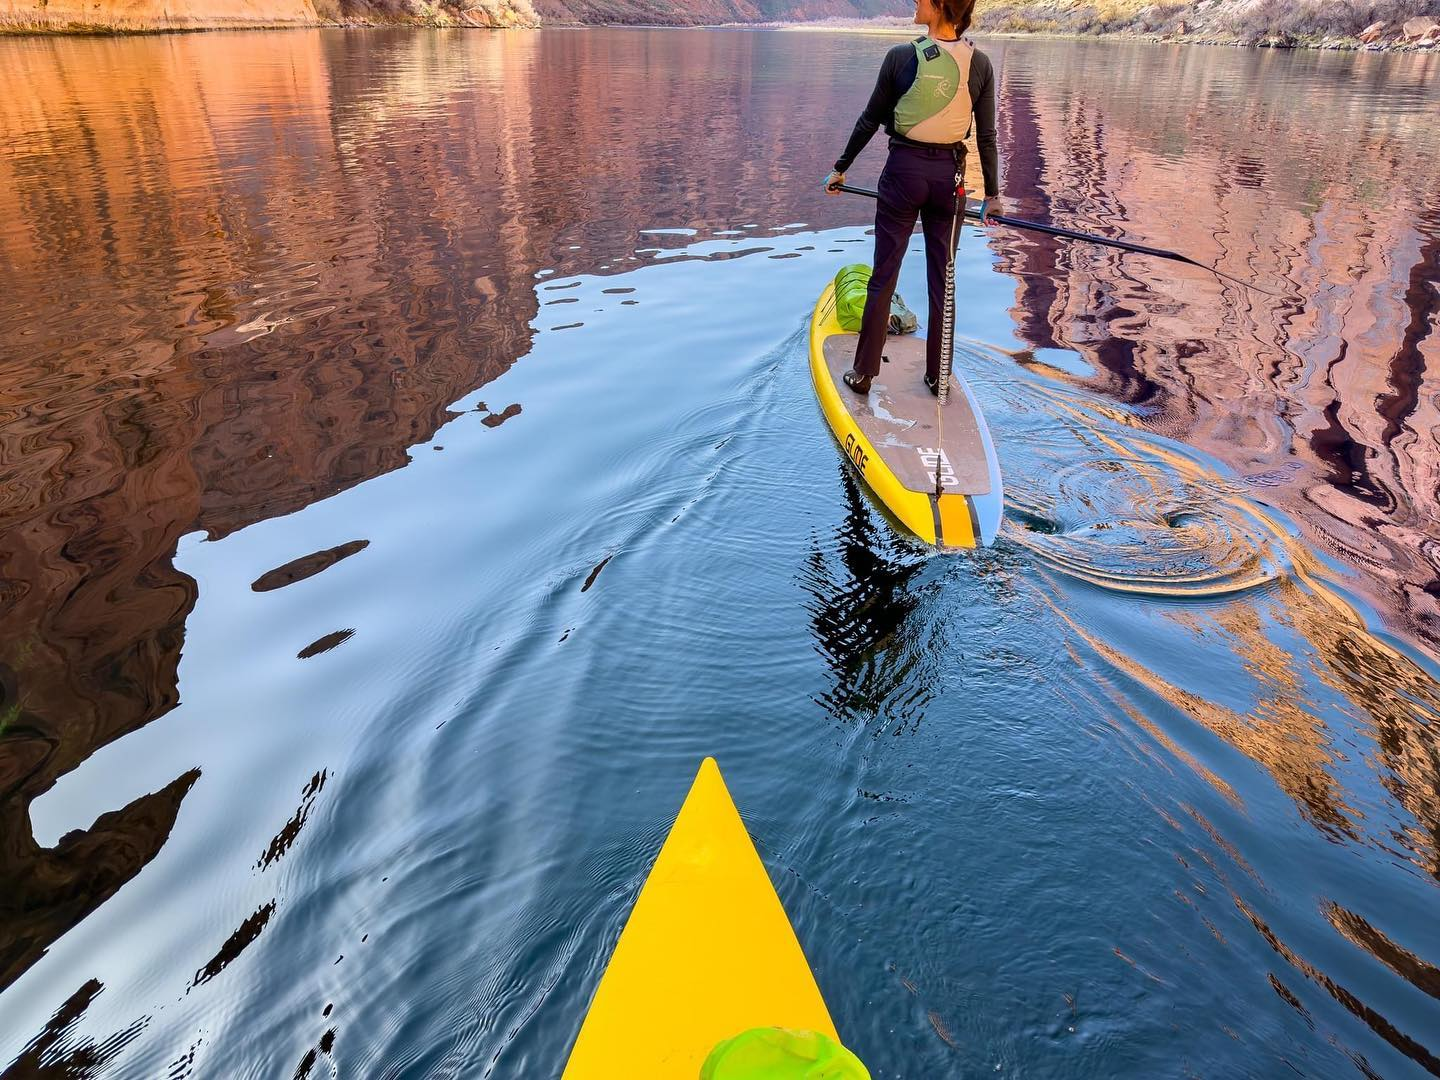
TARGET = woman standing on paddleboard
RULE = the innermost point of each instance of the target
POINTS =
(927, 95)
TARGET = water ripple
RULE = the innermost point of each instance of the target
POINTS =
(1134, 525)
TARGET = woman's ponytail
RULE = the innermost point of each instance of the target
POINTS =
(959, 12)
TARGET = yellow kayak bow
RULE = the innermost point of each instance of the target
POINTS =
(708, 953)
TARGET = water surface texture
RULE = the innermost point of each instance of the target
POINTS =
(410, 471)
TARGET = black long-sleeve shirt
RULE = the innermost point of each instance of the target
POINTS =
(897, 74)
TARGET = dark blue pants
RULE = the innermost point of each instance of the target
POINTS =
(915, 183)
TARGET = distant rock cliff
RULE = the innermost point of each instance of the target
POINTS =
(698, 12)
(139, 15)
(124, 15)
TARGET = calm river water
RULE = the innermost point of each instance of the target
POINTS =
(410, 471)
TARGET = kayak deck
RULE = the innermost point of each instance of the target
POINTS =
(932, 467)
(707, 953)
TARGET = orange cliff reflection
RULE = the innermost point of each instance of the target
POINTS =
(299, 330)
(1384, 694)
(242, 272)
(1308, 190)
(1311, 751)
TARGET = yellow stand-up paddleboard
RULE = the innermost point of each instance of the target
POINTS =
(932, 467)
(707, 956)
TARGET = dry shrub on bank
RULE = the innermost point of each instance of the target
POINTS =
(431, 12)
(1072, 17)
(1151, 18)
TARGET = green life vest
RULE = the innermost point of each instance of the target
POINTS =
(937, 108)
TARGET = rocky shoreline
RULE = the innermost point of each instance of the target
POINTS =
(1327, 44)
(1379, 26)
(1418, 34)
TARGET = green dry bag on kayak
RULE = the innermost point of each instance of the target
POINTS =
(851, 283)
(782, 1054)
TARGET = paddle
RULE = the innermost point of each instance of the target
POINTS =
(1071, 234)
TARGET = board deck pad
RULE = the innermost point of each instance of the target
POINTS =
(899, 418)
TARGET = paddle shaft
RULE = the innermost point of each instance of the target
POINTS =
(1071, 234)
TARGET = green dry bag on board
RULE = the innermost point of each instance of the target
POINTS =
(851, 283)
(782, 1054)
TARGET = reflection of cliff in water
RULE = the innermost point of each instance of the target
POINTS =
(303, 332)
(1298, 176)
(244, 272)
(1298, 736)
(1344, 727)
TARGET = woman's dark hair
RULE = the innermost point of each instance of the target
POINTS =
(959, 12)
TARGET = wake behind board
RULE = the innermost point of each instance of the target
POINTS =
(897, 442)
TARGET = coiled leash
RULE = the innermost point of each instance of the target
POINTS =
(947, 333)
